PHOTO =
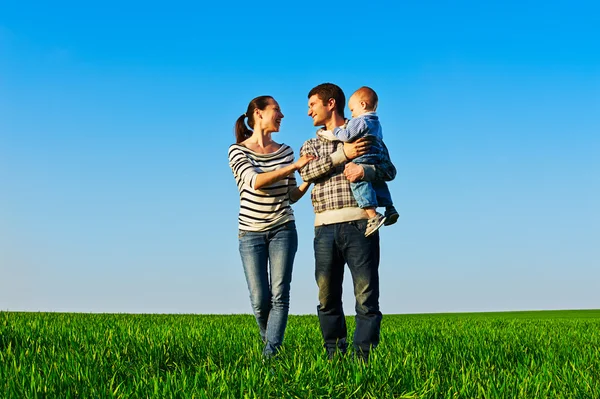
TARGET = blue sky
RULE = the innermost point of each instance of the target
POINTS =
(115, 119)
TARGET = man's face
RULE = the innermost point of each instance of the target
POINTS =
(318, 111)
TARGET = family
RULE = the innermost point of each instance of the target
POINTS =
(349, 164)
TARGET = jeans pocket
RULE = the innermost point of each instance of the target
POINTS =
(360, 225)
(242, 233)
(318, 230)
(291, 225)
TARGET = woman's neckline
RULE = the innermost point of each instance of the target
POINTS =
(281, 146)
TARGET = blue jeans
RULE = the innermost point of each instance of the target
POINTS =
(371, 194)
(336, 245)
(268, 258)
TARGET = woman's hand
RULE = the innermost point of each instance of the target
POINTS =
(304, 159)
(357, 148)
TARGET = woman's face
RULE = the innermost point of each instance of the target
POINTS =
(271, 117)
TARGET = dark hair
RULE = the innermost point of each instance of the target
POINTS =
(241, 129)
(369, 96)
(326, 91)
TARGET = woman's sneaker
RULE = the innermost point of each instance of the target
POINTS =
(374, 224)
(391, 216)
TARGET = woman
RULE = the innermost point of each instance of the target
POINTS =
(264, 172)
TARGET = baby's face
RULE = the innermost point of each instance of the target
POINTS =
(356, 106)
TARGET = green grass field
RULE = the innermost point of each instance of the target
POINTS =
(553, 354)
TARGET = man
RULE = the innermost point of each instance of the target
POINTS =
(340, 225)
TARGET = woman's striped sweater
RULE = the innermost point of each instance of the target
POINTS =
(268, 207)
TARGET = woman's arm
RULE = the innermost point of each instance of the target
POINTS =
(267, 178)
(299, 192)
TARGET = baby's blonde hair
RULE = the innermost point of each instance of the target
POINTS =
(368, 96)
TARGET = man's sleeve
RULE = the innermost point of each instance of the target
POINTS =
(324, 163)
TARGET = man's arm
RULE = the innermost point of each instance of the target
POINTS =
(385, 170)
(323, 164)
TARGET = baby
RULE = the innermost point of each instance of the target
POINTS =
(365, 123)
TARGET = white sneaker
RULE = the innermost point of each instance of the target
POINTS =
(374, 224)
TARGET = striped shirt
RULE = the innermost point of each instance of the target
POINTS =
(331, 189)
(268, 207)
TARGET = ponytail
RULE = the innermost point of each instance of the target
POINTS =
(241, 130)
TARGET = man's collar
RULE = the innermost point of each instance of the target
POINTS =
(328, 134)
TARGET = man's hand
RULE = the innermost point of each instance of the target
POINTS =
(354, 172)
(357, 148)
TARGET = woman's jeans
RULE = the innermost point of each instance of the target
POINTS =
(268, 258)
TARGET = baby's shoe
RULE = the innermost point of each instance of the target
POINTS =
(374, 224)
(391, 215)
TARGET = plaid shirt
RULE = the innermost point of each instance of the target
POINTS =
(332, 189)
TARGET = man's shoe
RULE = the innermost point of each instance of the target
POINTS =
(333, 353)
(374, 224)
(361, 357)
(391, 216)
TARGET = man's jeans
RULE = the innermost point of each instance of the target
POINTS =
(268, 258)
(335, 245)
